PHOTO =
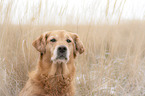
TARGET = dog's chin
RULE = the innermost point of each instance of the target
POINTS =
(60, 61)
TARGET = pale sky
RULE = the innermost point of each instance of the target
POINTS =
(71, 11)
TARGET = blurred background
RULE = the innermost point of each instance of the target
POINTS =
(113, 33)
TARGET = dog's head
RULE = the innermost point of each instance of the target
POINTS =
(59, 46)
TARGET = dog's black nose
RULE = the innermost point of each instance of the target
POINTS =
(62, 49)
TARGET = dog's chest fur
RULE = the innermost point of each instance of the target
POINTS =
(57, 85)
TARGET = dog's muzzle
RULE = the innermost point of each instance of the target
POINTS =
(62, 52)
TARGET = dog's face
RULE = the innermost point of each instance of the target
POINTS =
(60, 46)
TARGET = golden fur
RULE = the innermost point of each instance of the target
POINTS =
(53, 78)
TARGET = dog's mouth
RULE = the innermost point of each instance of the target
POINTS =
(60, 61)
(61, 57)
(61, 54)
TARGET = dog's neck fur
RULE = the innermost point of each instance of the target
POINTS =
(60, 75)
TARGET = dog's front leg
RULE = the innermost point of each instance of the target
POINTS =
(53, 69)
(65, 69)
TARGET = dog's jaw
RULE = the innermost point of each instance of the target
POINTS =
(54, 54)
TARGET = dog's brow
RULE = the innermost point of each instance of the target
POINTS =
(51, 36)
(56, 35)
(67, 36)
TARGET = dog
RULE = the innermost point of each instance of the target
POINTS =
(55, 71)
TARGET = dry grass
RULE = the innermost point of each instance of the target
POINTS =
(113, 64)
(114, 61)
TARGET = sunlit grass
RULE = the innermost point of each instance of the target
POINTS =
(113, 63)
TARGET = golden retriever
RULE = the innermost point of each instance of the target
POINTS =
(55, 72)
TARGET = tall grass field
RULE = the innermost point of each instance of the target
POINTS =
(112, 65)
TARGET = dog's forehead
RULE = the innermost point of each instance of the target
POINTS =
(60, 34)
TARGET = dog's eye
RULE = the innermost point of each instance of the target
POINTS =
(68, 40)
(53, 40)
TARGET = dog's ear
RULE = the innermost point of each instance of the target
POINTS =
(40, 42)
(79, 47)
